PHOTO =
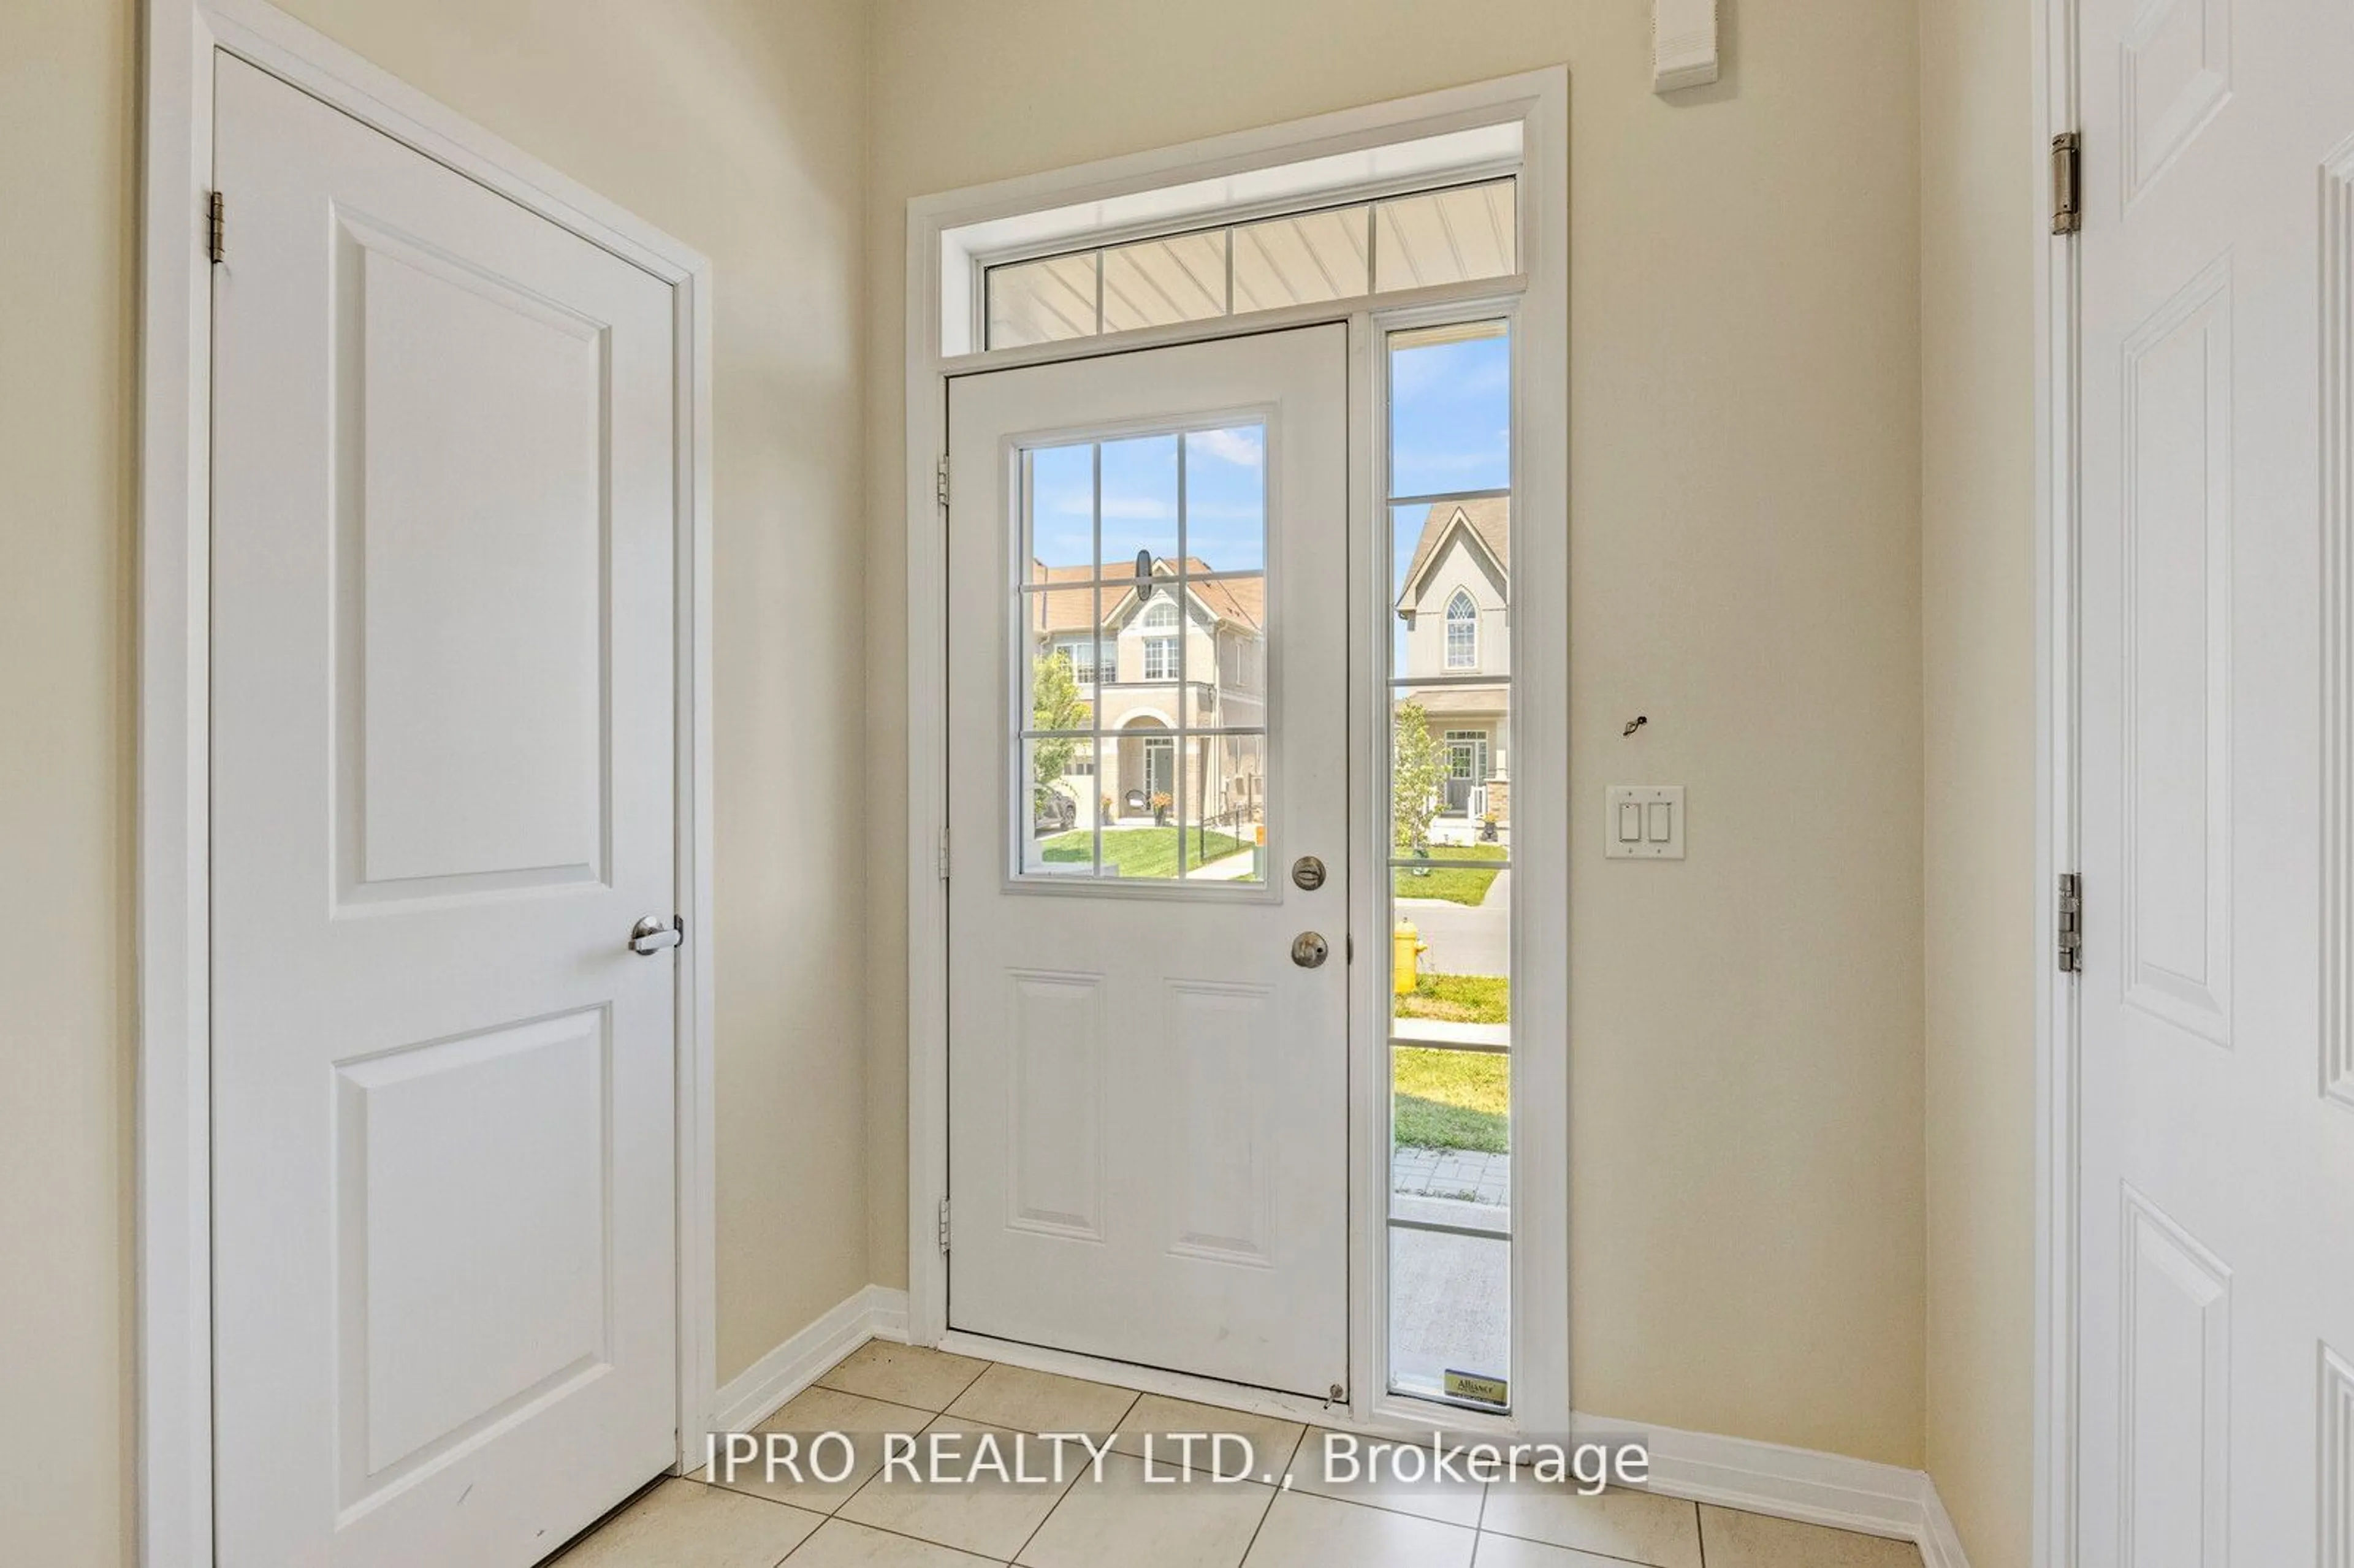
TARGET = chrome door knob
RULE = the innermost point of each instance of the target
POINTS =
(655, 932)
(1309, 950)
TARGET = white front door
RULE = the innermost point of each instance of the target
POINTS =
(1148, 1095)
(2215, 1271)
(442, 797)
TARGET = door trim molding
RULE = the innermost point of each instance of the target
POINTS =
(2056, 380)
(1539, 100)
(173, 1140)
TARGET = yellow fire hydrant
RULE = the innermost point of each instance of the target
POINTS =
(1406, 947)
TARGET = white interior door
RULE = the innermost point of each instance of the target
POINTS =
(2215, 1283)
(442, 797)
(1148, 1095)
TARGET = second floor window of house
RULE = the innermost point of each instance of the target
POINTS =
(1462, 632)
(1081, 653)
(1160, 643)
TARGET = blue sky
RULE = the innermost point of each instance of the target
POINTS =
(1450, 430)
(1450, 426)
(1225, 504)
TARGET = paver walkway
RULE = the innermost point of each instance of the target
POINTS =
(1461, 1175)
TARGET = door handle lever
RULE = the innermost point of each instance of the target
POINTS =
(655, 932)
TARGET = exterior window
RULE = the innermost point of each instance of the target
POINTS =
(1160, 653)
(1081, 653)
(1462, 632)
(1407, 241)
(1120, 775)
(1452, 1035)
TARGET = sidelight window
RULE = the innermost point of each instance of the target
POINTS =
(1450, 914)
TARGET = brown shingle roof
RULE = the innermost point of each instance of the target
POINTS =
(1062, 609)
(1241, 599)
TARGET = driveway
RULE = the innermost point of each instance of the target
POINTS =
(1466, 939)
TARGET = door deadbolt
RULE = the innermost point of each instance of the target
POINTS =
(1308, 872)
(1309, 950)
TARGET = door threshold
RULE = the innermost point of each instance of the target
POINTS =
(1396, 1416)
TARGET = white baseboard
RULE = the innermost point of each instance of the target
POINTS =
(759, 1390)
(1940, 1544)
(1795, 1483)
(1772, 1479)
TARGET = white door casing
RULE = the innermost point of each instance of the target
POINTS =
(1148, 1100)
(442, 792)
(2214, 1277)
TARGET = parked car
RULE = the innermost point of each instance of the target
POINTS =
(1053, 809)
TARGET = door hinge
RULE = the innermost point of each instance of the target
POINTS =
(2067, 192)
(944, 1224)
(2069, 928)
(944, 855)
(216, 227)
(940, 481)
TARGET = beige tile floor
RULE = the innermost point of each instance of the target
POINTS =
(870, 1520)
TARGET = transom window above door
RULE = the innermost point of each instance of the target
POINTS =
(1143, 584)
(1453, 235)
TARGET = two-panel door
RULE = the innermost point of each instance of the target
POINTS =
(442, 755)
(1148, 682)
(2214, 1280)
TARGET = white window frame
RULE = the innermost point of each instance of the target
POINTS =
(1223, 181)
(1224, 230)
(1470, 659)
(1161, 660)
(1250, 174)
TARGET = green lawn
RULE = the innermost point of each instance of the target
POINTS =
(1457, 999)
(1457, 884)
(1143, 851)
(1452, 1100)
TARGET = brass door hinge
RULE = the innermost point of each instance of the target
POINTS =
(216, 227)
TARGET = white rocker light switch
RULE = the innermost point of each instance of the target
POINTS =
(1647, 823)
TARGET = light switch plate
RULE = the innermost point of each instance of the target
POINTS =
(1646, 821)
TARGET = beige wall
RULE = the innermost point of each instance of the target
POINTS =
(1747, 1229)
(68, 86)
(1980, 186)
(736, 125)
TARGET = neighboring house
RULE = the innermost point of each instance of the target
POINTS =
(1194, 654)
(1455, 602)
